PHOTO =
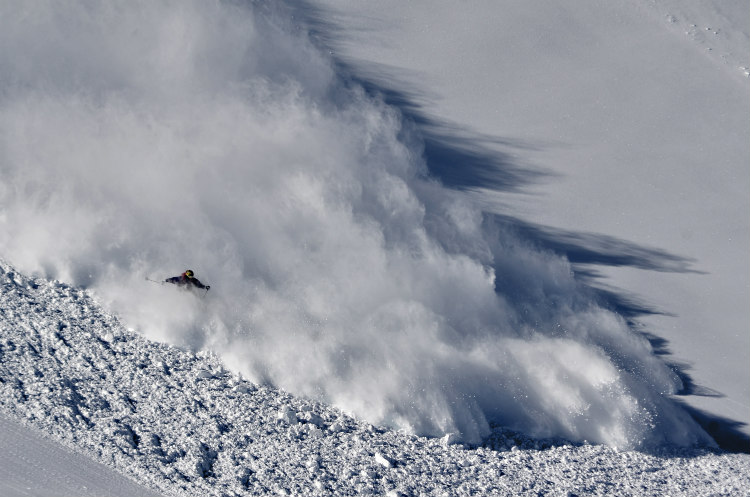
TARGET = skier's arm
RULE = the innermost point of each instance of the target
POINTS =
(173, 279)
(197, 283)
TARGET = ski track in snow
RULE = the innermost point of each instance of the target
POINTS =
(182, 424)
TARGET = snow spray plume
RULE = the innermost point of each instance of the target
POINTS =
(141, 138)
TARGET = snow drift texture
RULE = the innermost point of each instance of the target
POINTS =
(142, 138)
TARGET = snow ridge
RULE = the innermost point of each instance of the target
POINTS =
(182, 424)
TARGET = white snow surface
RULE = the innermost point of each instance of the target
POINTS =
(362, 213)
(34, 464)
(182, 424)
(147, 138)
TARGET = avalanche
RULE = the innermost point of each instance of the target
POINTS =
(219, 136)
(182, 424)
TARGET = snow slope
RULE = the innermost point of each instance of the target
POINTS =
(35, 465)
(140, 139)
(638, 112)
(182, 424)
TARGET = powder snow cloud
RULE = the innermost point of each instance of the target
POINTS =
(139, 139)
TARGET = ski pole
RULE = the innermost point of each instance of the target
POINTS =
(154, 281)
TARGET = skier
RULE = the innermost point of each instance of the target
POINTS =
(187, 278)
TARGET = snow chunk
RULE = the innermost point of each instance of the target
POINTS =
(287, 415)
(384, 461)
(204, 374)
(451, 439)
(310, 430)
(312, 418)
(313, 464)
(337, 426)
(243, 388)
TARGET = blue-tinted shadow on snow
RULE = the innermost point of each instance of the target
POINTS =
(463, 159)
(599, 249)
(458, 159)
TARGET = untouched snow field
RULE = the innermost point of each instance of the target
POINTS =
(38, 466)
(182, 424)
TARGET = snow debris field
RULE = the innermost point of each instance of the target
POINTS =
(182, 424)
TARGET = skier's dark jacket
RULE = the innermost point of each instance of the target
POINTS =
(183, 280)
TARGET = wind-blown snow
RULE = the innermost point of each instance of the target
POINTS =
(140, 139)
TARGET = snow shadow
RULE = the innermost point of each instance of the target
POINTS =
(464, 160)
(460, 159)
